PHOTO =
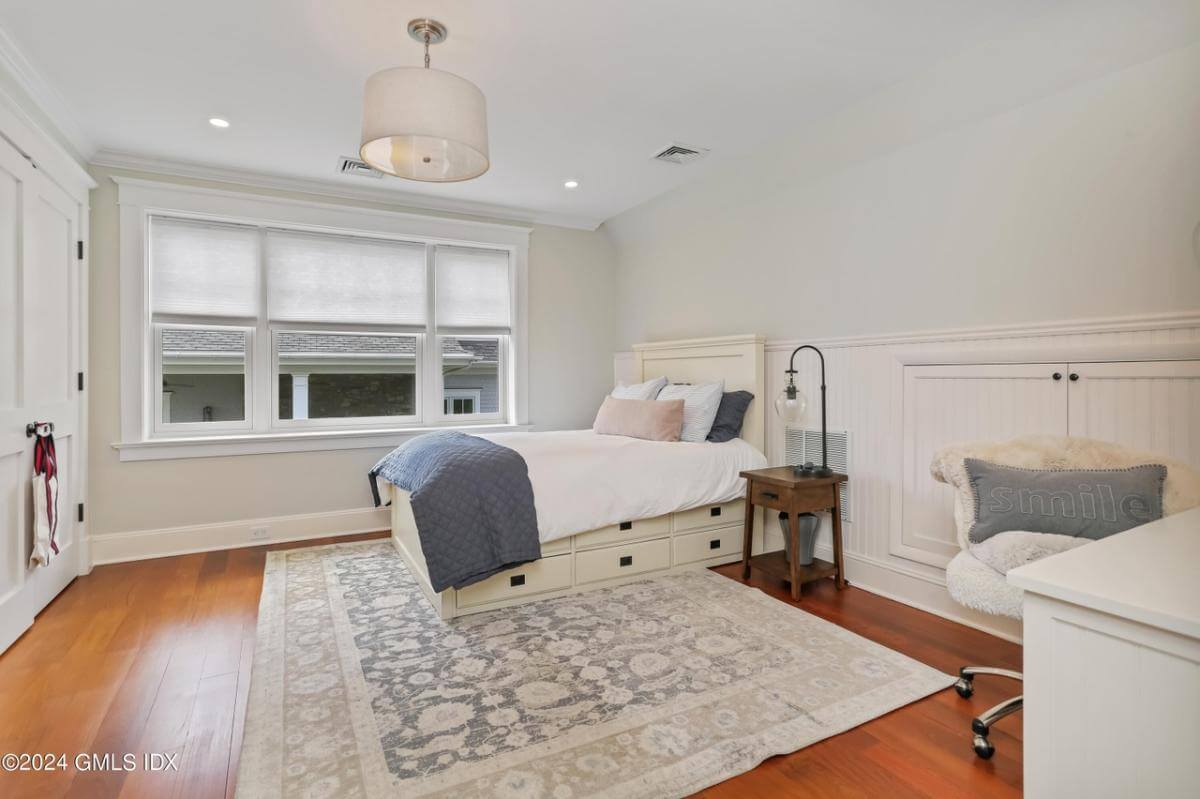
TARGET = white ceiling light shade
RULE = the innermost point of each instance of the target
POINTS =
(424, 124)
(571, 184)
(217, 122)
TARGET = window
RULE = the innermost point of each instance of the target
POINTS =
(262, 329)
(459, 401)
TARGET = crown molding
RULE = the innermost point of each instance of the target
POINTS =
(112, 159)
(48, 101)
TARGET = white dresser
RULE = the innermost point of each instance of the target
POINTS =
(1112, 665)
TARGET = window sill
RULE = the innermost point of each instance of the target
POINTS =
(308, 441)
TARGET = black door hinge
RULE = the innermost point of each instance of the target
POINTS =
(79, 508)
(78, 250)
(79, 375)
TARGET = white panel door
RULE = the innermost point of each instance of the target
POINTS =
(40, 316)
(1150, 405)
(945, 405)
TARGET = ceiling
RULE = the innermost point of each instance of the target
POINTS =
(576, 89)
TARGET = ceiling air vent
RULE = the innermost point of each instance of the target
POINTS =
(352, 166)
(680, 154)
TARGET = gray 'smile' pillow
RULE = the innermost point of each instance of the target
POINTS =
(1087, 503)
(730, 415)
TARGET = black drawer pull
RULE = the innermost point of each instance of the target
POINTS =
(515, 580)
(626, 525)
(714, 544)
(626, 560)
(770, 495)
(714, 511)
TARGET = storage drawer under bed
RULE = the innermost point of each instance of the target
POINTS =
(621, 561)
(709, 516)
(540, 576)
(634, 530)
(706, 544)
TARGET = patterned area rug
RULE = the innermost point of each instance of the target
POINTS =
(653, 689)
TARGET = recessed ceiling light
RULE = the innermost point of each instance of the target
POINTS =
(217, 122)
(571, 184)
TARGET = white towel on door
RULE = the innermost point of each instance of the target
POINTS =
(45, 501)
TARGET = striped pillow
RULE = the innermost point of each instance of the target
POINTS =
(700, 403)
(639, 391)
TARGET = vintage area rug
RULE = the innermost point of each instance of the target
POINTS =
(653, 689)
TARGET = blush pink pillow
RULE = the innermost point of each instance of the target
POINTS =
(655, 420)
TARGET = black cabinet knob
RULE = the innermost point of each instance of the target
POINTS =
(1057, 375)
(1074, 376)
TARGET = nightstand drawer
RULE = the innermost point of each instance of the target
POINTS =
(695, 547)
(771, 496)
(622, 561)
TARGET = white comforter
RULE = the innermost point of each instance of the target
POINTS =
(582, 481)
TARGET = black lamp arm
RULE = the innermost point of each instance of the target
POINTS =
(791, 372)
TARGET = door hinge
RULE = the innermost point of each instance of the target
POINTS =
(78, 250)
(80, 380)
(79, 508)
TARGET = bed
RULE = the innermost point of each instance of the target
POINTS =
(612, 509)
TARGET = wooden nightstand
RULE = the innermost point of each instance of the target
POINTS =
(779, 488)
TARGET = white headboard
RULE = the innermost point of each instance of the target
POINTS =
(738, 360)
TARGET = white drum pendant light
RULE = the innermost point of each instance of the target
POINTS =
(424, 124)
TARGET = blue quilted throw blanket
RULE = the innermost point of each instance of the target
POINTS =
(472, 502)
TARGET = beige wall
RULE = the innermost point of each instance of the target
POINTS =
(571, 294)
(929, 207)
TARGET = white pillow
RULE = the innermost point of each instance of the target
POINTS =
(640, 391)
(700, 404)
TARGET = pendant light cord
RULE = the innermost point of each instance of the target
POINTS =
(426, 49)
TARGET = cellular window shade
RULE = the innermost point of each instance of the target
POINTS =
(203, 269)
(318, 278)
(472, 288)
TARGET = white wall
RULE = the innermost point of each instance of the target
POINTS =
(571, 293)
(991, 193)
(1081, 203)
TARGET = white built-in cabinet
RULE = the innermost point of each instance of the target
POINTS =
(1151, 405)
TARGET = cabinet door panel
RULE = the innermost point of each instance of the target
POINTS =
(945, 405)
(1149, 405)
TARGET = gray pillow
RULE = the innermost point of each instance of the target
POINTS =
(730, 415)
(1087, 503)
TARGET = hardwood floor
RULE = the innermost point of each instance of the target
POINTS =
(155, 656)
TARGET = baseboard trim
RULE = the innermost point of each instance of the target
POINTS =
(147, 544)
(920, 592)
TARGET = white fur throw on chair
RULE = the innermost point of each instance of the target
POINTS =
(975, 577)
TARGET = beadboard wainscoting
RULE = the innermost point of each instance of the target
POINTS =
(1137, 383)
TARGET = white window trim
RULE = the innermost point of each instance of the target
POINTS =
(334, 423)
(140, 199)
(438, 415)
(164, 428)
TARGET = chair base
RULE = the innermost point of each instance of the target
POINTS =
(981, 725)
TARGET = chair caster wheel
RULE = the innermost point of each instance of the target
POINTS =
(983, 748)
(964, 687)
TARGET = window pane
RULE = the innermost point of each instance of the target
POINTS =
(320, 278)
(202, 268)
(345, 375)
(203, 375)
(472, 288)
(470, 375)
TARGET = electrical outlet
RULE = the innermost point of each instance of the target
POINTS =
(258, 533)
